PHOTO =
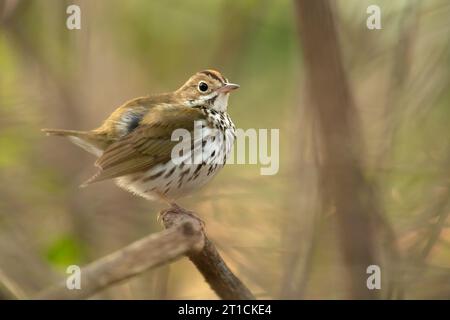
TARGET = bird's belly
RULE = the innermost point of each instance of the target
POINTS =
(175, 182)
(171, 181)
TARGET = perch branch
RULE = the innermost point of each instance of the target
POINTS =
(213, 268)
(184, 236)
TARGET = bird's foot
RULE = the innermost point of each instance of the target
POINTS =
(175, 208)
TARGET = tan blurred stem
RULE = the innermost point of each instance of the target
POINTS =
(184, 236)
(344, 188)
(8, 289)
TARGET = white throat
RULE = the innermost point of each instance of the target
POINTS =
(221, 102)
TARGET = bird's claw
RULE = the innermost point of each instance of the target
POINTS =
(175, 208)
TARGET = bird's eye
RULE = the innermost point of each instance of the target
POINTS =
(202, 86)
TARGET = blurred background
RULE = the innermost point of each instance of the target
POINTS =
(278, 233)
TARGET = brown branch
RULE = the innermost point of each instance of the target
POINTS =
(211, 265)
(184, 236)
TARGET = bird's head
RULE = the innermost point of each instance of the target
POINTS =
(206, 88)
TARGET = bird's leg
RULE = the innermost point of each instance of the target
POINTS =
(174, 207)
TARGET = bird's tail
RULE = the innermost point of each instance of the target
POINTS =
(83, 139)
(64, 133)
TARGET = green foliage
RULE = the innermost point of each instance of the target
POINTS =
(64, 251)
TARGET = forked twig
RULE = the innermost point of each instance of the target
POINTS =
(184, 236)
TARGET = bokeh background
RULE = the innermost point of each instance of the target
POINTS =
(273, 231)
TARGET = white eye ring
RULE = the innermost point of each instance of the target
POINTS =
(202, 86)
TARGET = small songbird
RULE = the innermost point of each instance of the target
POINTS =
(135, 145)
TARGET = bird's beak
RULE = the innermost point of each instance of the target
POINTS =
(227, 87)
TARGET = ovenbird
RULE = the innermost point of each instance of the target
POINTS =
(134, 144)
